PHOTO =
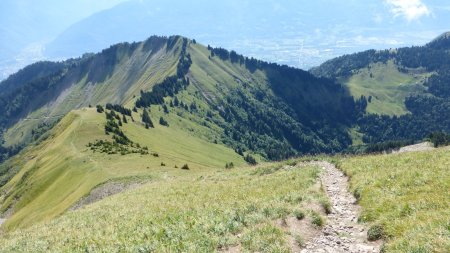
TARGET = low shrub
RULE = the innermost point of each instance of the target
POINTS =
(317, 219)
(229, 165)
(375, 233)
(326, 205)
(299, 214)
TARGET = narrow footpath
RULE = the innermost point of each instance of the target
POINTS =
(342, 233)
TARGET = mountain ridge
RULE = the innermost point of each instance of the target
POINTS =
(200, 102)
(87, 65)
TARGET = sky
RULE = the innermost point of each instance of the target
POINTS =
(294, 32)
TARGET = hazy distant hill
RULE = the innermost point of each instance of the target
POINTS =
(297, 33)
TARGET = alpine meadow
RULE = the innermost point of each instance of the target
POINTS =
(174, 144)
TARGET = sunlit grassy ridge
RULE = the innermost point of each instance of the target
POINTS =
(66, 177)
(58, 172)
(408, 195)
(48, 176)
(113, 76)
(387, 85)
(192, 212)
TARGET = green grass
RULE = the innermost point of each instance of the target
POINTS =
(196, 211)
(387, 86)
(62, 169)
(357, 137)
(407, 195)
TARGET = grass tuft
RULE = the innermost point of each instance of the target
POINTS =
(299, 240)
(299, 214)
(317, 219)
(375, 233)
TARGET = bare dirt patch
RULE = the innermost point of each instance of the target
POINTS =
(103, 191)
(417, 147)
(232, 249)
(300, 229)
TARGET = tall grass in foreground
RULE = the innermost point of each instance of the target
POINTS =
(186, 214)
(405, 197)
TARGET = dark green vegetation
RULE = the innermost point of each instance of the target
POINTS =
(44, 92)
(120, 143)
(427, 108)
(440, 139)
(275, 111)
(380, 147)
(171, 85)
(304, 122)
(112, 148)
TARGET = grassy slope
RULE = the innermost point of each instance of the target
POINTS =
(189, 139)
(61, 170)
(194, 211)
(408, 194)
(138, 71)
(387, 86)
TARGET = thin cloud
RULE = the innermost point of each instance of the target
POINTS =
(409, 9)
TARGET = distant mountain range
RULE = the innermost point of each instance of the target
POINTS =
(289, 33)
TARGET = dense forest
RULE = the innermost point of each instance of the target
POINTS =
(428, 114)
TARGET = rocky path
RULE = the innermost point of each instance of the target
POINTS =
(1, 221)
(341, 233)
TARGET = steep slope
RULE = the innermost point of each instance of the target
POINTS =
(214, 108)
(406, 90)
(246, 95)
(114, 76)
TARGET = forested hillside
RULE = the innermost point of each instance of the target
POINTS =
(423, 80)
